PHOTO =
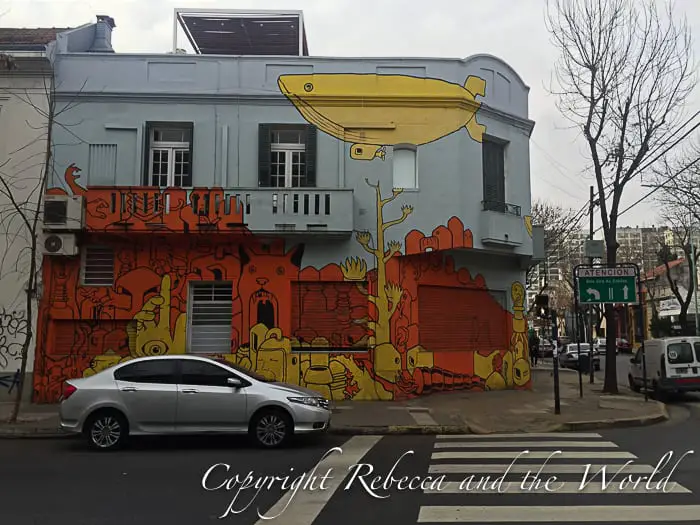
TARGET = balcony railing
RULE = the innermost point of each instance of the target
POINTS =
(150, 209)
(501, 207)
(293, 210)
(501, 224)
(259, 209)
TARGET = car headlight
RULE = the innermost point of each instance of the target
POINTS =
(320, 402)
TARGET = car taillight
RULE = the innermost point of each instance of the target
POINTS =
(68, 390)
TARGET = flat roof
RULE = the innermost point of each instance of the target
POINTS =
(238, 32)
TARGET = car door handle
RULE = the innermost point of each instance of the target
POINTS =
(129, 389)
(190, 391)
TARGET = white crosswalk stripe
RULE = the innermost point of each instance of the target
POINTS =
(474, 469)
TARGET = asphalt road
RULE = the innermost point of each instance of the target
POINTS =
(59, 482)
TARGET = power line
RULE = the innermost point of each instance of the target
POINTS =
(584, 209)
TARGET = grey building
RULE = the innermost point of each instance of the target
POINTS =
(356, 225)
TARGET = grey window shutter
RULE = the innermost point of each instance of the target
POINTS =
(147, 128)
(493, 173)
(311, 140)
(264, 131)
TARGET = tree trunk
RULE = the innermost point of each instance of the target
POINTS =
(610, 382)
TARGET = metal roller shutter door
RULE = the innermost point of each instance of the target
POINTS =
(454, 319)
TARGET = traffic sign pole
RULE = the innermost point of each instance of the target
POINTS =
(618, 284)
(644, 354)
(578, 344)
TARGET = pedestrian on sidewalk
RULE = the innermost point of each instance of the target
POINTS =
(534, 345)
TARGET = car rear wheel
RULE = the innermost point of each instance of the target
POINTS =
(271, 428)
(106, 430)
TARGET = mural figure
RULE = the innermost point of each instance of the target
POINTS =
(388, 294)
(385, 110)
(449, 237)
(70, 176)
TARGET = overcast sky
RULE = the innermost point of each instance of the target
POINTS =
(513, 30)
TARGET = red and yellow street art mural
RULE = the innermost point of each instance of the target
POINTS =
(372, 111)
(378, 325)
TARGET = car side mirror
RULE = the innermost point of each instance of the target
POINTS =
(234, 382)
(633, 360)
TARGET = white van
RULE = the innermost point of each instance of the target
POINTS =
(673, 365)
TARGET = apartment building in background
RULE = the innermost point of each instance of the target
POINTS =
(338, 223)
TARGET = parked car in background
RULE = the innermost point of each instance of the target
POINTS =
(601, 346)
(623, 346)
(568, 356)
(188, 395)
(546, 347)
(672, 366)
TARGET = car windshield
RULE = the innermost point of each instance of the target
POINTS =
(242, 370)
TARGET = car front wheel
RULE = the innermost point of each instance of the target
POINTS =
(106, 430)
(271, 428)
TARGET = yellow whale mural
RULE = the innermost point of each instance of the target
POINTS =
(373, 111)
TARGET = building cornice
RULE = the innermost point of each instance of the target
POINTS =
(280, 100)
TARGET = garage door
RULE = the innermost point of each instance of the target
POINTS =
(457, 319)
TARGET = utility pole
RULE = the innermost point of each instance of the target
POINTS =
(694, 270)
(590, 306)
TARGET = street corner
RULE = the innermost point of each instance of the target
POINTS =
(658, 414)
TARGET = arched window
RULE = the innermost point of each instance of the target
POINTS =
(405, 167)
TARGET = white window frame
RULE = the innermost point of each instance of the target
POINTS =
(171, 148)
(83, 266)
(288, 149)
(190, 316)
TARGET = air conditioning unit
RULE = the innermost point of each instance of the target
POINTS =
(61, 244)
(63, 213)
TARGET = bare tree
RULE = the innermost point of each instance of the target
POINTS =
(680, 216)
(624, 74)
(24, 175)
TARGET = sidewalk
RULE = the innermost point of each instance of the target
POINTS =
(453, 412)
(504, 411)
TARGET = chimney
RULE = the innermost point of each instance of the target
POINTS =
(103, 35)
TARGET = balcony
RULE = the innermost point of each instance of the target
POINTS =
(290, 211)
(260, 210)
(501, 224)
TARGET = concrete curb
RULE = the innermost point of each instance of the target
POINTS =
(28, 432)
(386, 430)
(640, 421)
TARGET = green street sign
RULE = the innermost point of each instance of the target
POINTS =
(607, 285)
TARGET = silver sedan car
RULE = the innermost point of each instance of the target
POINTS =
(185, 394)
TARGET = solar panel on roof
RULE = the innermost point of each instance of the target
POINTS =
(240, 34)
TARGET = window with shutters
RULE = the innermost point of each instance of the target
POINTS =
(97, 266)
(493, 153)
(169, 162)
(404, 168)
(210, 316)
(287, 156)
